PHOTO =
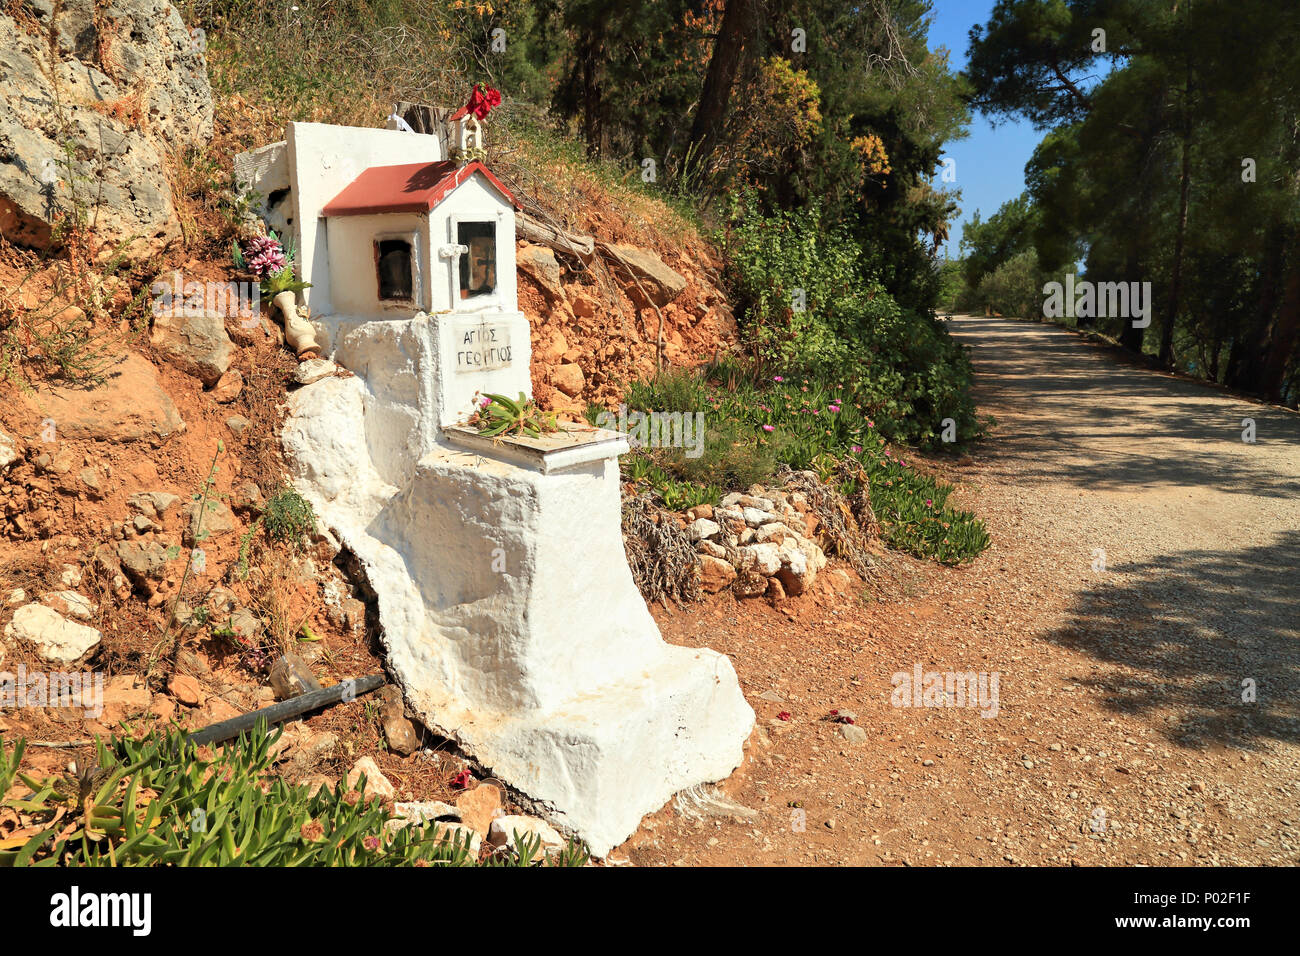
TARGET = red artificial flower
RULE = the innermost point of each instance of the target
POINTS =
(482, 100)
(784, 715)
(461, 780)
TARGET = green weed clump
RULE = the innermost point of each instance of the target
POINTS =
(161, 801)
(288, 517)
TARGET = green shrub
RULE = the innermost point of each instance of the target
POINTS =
(288, 517)
(811, 310)
(754, 425)
(1014, 288)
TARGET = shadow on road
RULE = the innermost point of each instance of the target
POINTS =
(1187, 629)
(1070, 412)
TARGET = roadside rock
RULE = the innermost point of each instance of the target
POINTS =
(70, 604)
(313, 370)
(377, 785)
(399, 731)
(152, 504)
(185, 689)
(503, 830)
(568, 378)
(633, 264)
(196, 343)
(715, 573)
(129, 406)
(54, 638)
(144, 562)
(228, 387)
(217, 519)
(478, 807)
(128, 694)
(854, 734)
(247, 499)
(702, 528)
(423, 812)
(8, 451)
(459, 834)
(539, 264)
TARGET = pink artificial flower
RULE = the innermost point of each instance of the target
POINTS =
(768, 428)
(264, 257)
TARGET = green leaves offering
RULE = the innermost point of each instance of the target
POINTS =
(498, 415)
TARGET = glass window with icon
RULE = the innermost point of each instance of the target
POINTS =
(478, 266)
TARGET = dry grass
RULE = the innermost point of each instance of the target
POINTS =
(659, 553)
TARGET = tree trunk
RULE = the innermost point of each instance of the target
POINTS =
(591, 100)
(1130, 337)
(1285, 332)
(737, 22)
(1180, 241)
(1250, 346)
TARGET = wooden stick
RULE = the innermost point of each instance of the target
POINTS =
(556, 238)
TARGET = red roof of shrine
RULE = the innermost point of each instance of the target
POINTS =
(412, 187)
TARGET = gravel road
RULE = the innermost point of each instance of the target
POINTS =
(1140, 606)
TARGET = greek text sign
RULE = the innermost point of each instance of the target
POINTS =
(481, 346)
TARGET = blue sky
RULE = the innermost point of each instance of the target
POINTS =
(990, 163)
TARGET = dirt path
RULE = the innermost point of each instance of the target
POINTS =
(1121, 735)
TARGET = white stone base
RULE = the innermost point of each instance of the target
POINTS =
(604, 760)
(511, 619)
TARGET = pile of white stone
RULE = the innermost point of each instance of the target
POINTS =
(760, 543)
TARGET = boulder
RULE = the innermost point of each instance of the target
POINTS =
(195, 342)
(636, 265)
(128, 84)
(130, 405)
(568, 379)
(715, 573)
(538, 263)
(54, 638)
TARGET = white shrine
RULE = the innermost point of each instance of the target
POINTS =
(508, 611)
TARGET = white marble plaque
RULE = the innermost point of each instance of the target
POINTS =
(482, 346)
